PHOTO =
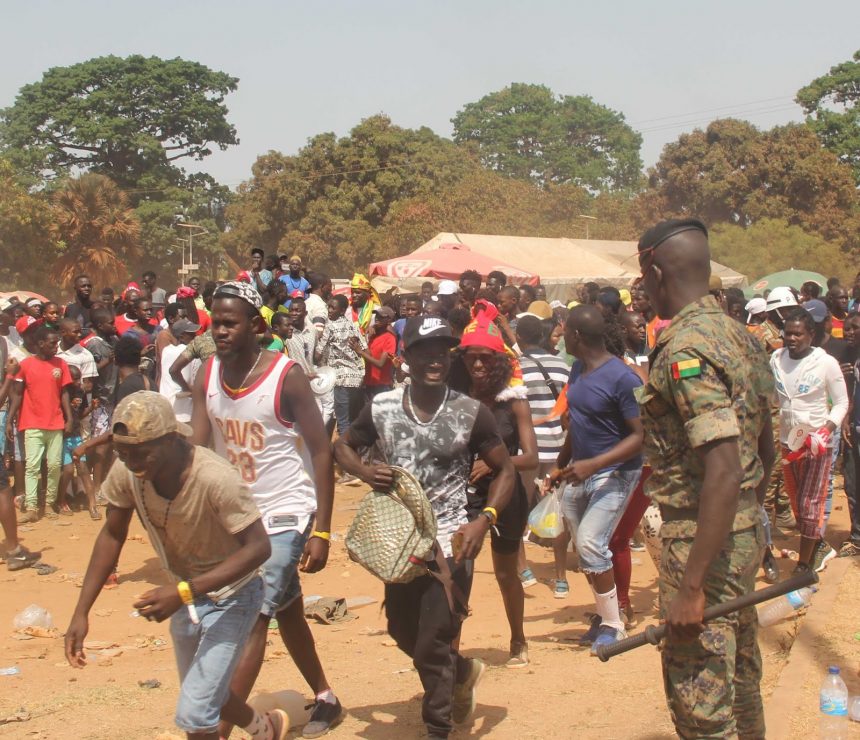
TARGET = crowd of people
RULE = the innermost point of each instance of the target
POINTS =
(670, 415)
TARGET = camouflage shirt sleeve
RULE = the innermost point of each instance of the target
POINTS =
(701, 398)
(763, 380)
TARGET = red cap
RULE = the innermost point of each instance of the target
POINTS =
(482, 332)
(25, 323)
(298, 294)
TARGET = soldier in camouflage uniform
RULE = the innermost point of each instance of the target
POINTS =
(706, 414)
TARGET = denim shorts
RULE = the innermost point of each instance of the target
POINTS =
(207, 653)
(592, 511)
(69, 444)
(281, 570)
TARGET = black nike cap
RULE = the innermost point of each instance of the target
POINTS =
(424, 328)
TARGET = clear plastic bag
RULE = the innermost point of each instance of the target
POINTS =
(545, 519)
(33, 616)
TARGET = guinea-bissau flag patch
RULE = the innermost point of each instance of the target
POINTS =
(686, 369)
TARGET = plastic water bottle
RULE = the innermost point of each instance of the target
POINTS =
(778, 609)
(833, 701)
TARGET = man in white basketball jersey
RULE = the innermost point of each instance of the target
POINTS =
(259, 410)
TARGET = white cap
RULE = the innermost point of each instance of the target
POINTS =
(755, 306)
(780, 298)
(447, 287)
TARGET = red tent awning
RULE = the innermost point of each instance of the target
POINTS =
(448, 262)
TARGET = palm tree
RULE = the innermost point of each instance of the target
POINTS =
(98, 231)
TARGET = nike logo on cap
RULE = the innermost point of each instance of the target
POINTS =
(429, 326)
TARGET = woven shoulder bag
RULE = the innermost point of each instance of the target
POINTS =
(394, 532)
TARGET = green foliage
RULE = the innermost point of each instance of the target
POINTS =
(201, 202)
(328, 201)
(26, 243)
(733, 173)
(129, 119)
(839, 129)
(527, 132)
(771, 245)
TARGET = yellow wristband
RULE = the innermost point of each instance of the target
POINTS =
(185, 592)
(322, 535)
(492, 511)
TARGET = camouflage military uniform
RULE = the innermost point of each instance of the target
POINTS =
(776, 497)
(709, 381)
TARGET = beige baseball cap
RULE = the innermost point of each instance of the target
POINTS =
(144, 416)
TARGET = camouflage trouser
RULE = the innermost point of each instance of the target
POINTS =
(776, 497)
(712, 683)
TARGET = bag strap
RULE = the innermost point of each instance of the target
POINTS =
(549, 381)
(4, 356)
(453, 594)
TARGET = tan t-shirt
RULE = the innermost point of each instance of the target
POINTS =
(195, 529)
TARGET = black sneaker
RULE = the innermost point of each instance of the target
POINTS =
(768, 564)
(21, 558)
(823, 555)
(464, 693)
(324, 717)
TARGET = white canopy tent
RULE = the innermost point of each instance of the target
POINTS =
(563, 263)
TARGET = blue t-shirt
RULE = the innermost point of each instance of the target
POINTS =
(398, 327)
(294, 284)
(600, 403)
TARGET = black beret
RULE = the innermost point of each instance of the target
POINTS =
(656, 235)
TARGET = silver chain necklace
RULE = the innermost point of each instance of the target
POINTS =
(411, 409)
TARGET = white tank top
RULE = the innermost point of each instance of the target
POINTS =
(266, 449)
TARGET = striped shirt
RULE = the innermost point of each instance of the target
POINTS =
(550, 434)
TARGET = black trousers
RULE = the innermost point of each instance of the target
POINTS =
(422, 625)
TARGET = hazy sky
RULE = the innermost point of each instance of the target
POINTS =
(316, 66)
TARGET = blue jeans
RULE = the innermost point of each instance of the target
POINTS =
(281, 570)
(348, 403)
(592, 511)
(207, 653)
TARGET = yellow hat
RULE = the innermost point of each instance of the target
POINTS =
(626, 298)
(573, 304)
(359, 282)
(541, 309)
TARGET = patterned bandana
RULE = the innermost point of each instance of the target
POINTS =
(244, 291)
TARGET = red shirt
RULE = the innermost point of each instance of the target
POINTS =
(44, 381)
(385, 342)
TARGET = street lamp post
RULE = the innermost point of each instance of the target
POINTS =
(193, 230)
(587, 219)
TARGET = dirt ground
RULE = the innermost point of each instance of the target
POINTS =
(564, 691)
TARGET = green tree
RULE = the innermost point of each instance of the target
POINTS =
(832, 106)
(96, 229)
(328, 201)
(26, 243)
(528, 132)
(733, 173)
(130, 119)
(771, 245)
(201, 201)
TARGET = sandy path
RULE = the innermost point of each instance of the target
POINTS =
(564, 691)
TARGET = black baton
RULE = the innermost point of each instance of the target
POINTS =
(653, 633)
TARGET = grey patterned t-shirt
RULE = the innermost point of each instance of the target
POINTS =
(439, 453)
